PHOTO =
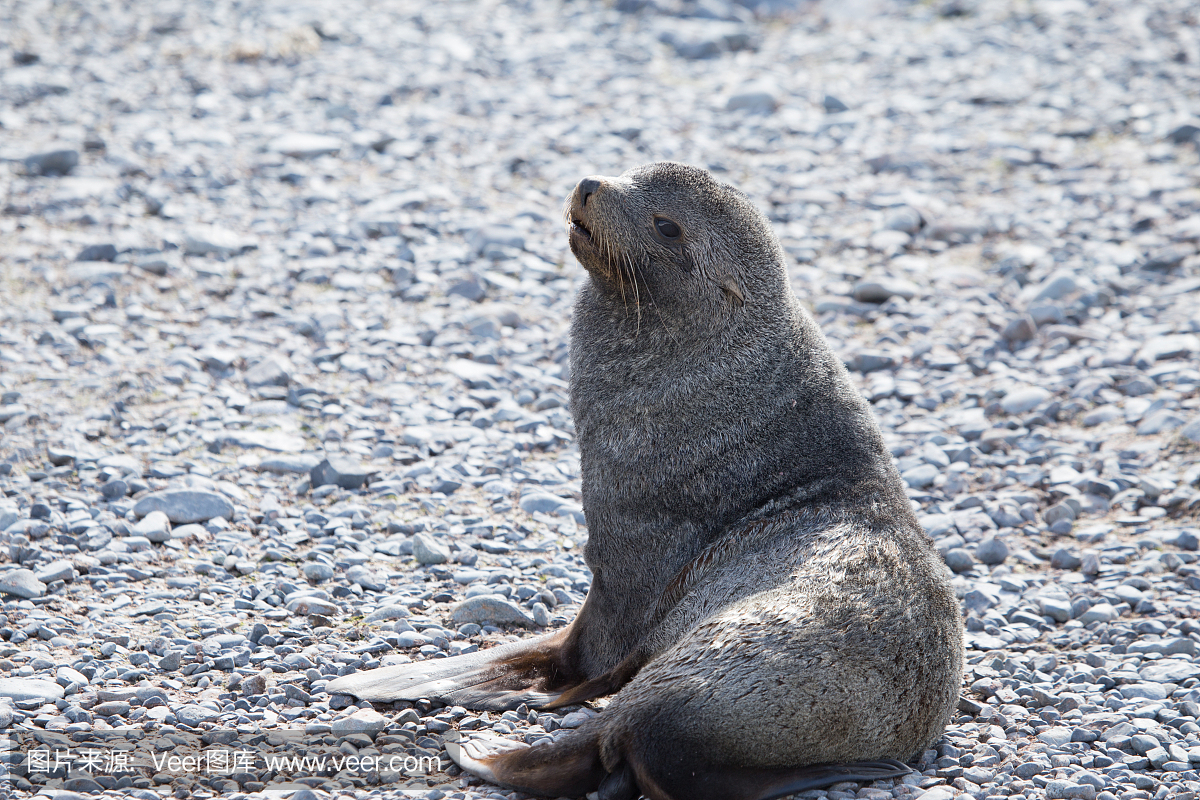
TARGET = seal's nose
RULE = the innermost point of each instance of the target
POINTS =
(587, 187)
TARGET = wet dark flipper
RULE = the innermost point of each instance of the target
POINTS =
(739, 783)
(571, 766)
(498, 679)
(567, 767)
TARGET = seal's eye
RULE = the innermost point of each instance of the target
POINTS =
(667, 228)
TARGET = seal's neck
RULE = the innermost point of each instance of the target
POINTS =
(680, 437)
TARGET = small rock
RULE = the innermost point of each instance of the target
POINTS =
(833, 105)
(61, 570)
(288, 464)
(1057, 512)
(1055, 737)
(185, 505)
(1023, 400)
(1055, 287)
(364, 720)
(317, 571)
(991, 551)
(540, 501)
(388, 613)
(21, 690)
(193, 715)
(880, 291)
(959, 560)
(113, 708)
(305, 145)
(204, 240)
(97, 252)
(303, 606)
(1065, 559)
(366, 579)
(427, 550)
(256, 684)
(1101, 612)
(155, 526)
(1062, 790)
(753, 102)
(1020, 329)
(1160, 421)
(920, 476)
(490, 609)
(905, 219)
(267, 372)
(471, 288)
(21, 583)
(55, 162)
(339, 471)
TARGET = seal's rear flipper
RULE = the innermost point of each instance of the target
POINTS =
(740, 783)
(567, 767)
(498, 679)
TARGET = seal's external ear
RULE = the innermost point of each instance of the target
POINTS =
(733, 292)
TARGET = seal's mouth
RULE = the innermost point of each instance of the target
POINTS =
(580, 231)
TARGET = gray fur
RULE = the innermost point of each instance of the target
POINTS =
(821, 626)
(762, 590)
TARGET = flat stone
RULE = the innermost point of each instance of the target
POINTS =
(97, 252)
(366, 578)
(192, 715)
(113, 708)
(753, 102)
(1020, 329)
(427, 550)
(364, 720)
(1101, 612)
(1191, 431)
(388, 613)
(1066, 790)
(921, 475)
(880, 291)
(1055, 737)
(304, 606)
(1145, 691)
(267, 372)
(991, 551)
(317, 571)
(203, 240)
(52, 163)
(60, 570)
(155, 526)
(1169, 670)
(1160, 421)
(347, 473)
(265, 440)
(490, 609)
(289, 464)
(21, 583)
(185, 505)
(1020, 401)
(305, 145)
(21, 690)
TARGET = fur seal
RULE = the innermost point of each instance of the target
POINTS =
(765, 606)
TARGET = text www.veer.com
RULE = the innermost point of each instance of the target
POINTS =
(319, 764)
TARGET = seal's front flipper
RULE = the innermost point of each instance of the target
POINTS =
(498, 679)
(742, 783)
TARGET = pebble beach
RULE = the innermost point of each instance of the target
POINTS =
(284, 300)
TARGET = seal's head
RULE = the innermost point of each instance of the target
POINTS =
(670, 234)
